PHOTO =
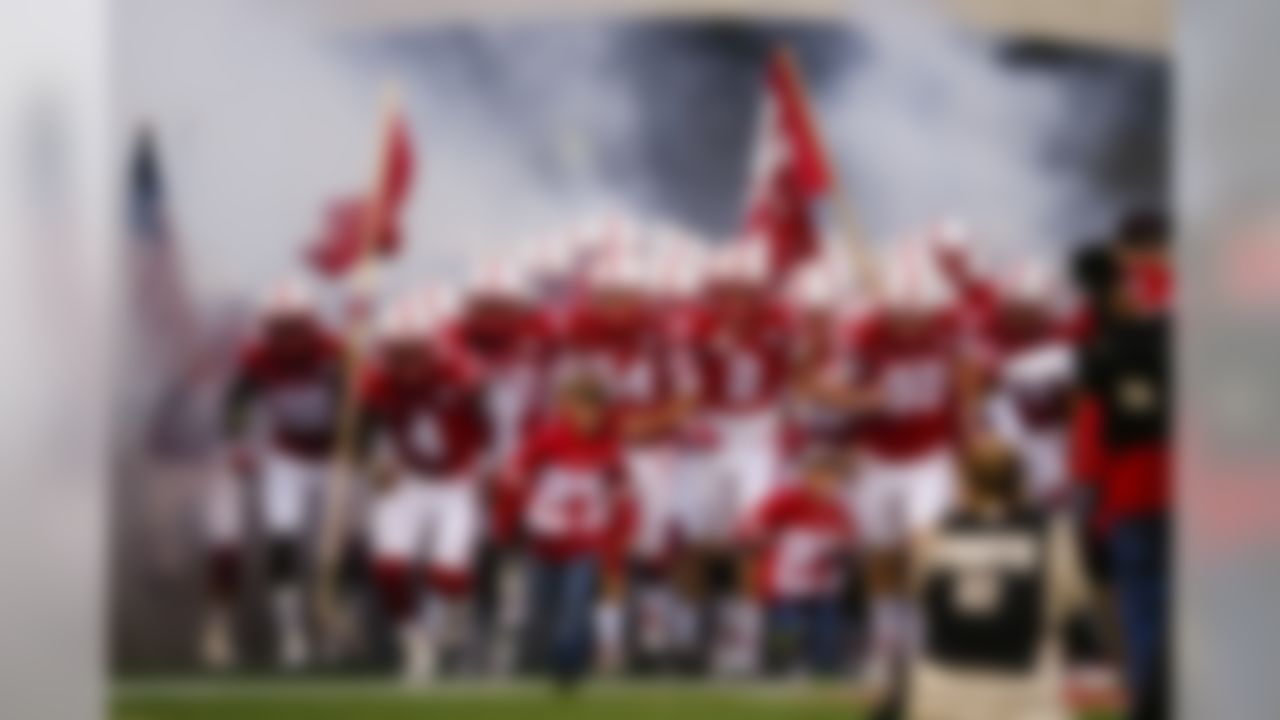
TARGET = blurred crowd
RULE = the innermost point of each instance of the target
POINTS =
(633, 451)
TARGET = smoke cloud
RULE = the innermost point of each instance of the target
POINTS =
(527, 127)
(935, 121)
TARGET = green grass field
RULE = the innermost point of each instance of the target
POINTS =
(372, 700)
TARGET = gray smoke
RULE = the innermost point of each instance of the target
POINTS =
(529, 127)
(1035, 145)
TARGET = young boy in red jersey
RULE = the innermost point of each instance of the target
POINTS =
(571, 486)
(800, 536)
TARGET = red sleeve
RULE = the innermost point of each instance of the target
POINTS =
(370, 388)
(372, 399)
(764, 521)
(332, 346)
(246, 383)
(454, 340)
(618, 539)
(478, 418)
(848, 527)
(860, 339)
(512, 492)
(1087, 449)
(252, 363)
(526, 460)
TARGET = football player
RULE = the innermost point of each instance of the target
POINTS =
(290, 379)
(739, 348)
(618, 338)
(509, 331)
(1028, 361)
(913, 391)
(426, 432)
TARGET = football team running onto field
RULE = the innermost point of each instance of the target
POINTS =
(654, 455)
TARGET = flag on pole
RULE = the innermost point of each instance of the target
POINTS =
(161, 302)
(342, 243)
(789, 170)
(357, 232)
(169, 352)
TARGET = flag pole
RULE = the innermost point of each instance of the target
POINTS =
(361, 285)
(846, 214)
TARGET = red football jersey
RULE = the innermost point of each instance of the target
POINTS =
(511, 353)
(297, 385)
(740, 364)
(494, 337)
(571, 487)
(975, 303)
(632, 358)
(916, 380)
(803, 533)
(434, 422)
(1033, 368)
(817, 350)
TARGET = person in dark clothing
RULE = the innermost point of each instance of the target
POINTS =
(1122, 453)
(996, 583)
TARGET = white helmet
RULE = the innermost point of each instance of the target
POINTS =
(952, 234)
(677, 270)
(500, 277)
(813, 287)
(586, 236)
(288, 298)
(1029, 282)
(745, 260)
(418, 316)
(606, 234)
(617, 270)
(911, 282)
(838, 262)
(622, 234)
(551, 255)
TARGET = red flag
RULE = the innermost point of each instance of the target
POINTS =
(790, 170)
(343, 241)
(338, 248)
(397, 168)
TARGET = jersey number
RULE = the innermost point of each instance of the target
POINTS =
(913, 388)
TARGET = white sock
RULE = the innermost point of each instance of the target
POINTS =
(217, 643)
(608, 630)
(655, 608)
(447, 622)
(684, 624)
(287, 612)
(749, 622)
(892, 627)
(511, 593)
(510, 620)
(738, 641)
(344, 636)
(723, 627)
(417, 657)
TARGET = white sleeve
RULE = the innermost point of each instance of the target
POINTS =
(1001, 416)
(1069, 586)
